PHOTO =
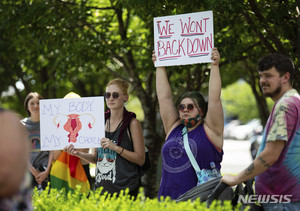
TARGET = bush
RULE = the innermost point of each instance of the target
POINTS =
(60, 200)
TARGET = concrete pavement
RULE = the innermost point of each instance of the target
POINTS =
(236, 157)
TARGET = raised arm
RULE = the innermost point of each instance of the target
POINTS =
(214, 123)
(168, 111)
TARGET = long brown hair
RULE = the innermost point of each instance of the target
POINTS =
(29, 97)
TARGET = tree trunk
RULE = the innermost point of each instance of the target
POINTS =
(261, 105)
(153, 142)
(260, 99)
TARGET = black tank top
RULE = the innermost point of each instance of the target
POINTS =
(113, 172)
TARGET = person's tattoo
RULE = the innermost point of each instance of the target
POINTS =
(250, 168)
(263, 162)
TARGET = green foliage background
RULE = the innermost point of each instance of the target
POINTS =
(239, 102)
(57, 46)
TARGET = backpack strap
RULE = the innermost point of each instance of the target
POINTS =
(127, 116)
(129, 132)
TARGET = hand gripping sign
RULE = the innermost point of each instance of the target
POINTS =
(79, 121)
(183, 39)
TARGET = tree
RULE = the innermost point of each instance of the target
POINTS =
(259, 28)
(239, 102)
(57, 46)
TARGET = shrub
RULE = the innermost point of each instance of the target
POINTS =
(59, 200)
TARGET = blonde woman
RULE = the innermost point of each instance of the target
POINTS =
(122, 149)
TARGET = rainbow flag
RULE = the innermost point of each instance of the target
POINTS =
(67, 172)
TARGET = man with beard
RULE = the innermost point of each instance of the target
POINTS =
(277, 166)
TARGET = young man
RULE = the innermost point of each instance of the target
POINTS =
(277, 165)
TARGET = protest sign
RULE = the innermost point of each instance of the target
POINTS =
(183, 39)
(77, 121)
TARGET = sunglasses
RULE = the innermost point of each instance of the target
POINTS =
(115, 95)
(189, 107)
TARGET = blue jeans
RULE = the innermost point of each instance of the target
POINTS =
(293, 206)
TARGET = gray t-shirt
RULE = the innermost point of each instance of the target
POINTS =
(38, 158)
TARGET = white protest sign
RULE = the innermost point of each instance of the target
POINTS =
(183, 39)
(77, 121)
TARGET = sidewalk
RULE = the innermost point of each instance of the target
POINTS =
(236, 157)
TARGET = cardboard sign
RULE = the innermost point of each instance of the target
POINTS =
(77, 121)
(183, 39)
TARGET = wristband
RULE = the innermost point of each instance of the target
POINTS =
(121, 151)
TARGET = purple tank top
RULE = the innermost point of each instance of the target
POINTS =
(178, 174)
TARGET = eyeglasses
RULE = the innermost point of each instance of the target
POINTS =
(115, 95)
(189, 107)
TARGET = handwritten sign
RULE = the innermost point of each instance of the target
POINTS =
(77, 121)
(183, 39)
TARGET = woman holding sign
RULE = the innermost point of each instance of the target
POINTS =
(122, 149)
(196, 123)
(40, 161)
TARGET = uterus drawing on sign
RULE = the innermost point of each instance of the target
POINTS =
(72, 124)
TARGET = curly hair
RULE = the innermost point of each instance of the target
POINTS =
(282, 64)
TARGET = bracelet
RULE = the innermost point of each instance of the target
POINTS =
(121, 151)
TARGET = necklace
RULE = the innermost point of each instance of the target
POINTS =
(116, 127)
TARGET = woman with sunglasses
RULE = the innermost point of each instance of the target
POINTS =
(204, 123)
(122, 149)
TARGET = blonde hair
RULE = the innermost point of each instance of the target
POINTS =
(121, 83)
(72, 95)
